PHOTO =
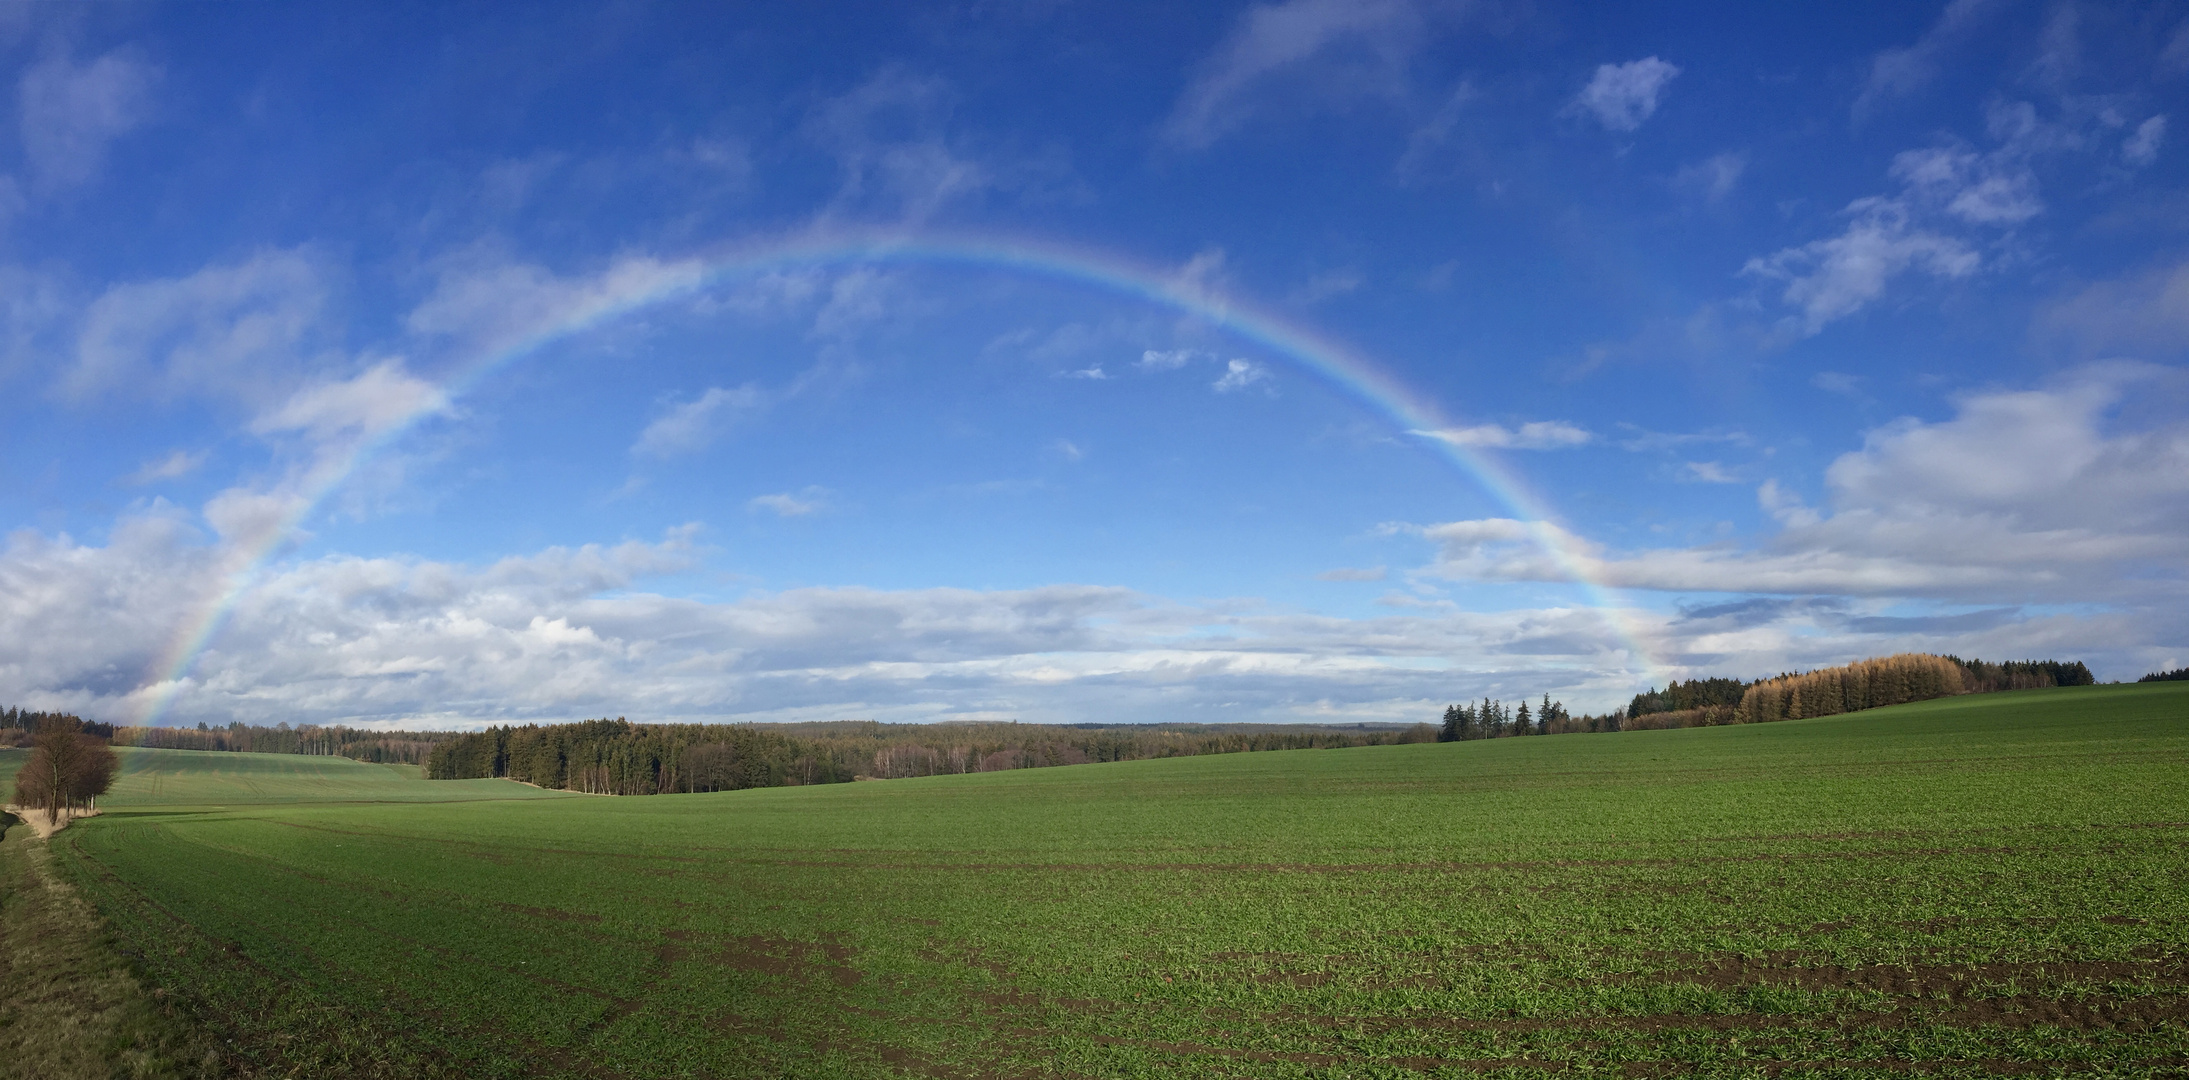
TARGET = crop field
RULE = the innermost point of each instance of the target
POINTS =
(1983, 885)
(168, 778)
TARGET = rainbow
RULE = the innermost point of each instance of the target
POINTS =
(637, 284)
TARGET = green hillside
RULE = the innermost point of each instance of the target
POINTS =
(1959, 887)
(171, 778)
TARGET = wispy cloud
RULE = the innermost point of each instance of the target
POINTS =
(1901, 71)
(248, 331)
(174, 466)
(70, 113)
(1344, 49)
(1534, 435)
(691, 426)
(2021, 495)
(785, 504)
(1714, 177)
(1833, 278)
(1325, 285)
(1238, 375)
(2141, 147)
(1349, 573)
(1622, 96)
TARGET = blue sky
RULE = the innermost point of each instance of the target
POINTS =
(1307, 361)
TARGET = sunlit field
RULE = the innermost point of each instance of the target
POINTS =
(1977, 885)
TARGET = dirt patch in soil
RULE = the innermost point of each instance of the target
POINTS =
(769, 954)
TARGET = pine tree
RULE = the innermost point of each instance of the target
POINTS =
(1520, 719)
(1454, 728)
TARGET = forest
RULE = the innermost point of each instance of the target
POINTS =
(1864, 684)
(19, 726)
(617, 757)
(379, 747)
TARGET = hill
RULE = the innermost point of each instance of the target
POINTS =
(174, 778)
(1957, 886)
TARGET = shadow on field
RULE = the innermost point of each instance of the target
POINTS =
(7, 821)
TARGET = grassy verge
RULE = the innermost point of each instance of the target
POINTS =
(69, 1005)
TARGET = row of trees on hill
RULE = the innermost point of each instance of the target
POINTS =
(617, 757)
(69, 767)
(1493, 719)
(1865, 684)
(2176, 675)
(18, 726)
(399, 747)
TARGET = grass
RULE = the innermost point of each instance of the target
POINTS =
(1965, 887)
(70, 1009)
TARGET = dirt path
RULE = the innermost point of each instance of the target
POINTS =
(36, 819)
(72, 1008)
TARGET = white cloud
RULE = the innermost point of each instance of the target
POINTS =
(2021, 496)
(1944, 190)
(174, 466)
(565, 634)
(381, 397)
(487, 305)
(1709, 472)
(1092, 374)
(2141, 148)
(250, 331)
(1622, 96)
(1238, 375)
(690, 426)
(1167, 359)
(1534, 435)
(1987, 189)
(247, 519)
(1714, 177)
(1205, 279)
(1831, 279)
(1070, 450)
(1342, 49)
(784, 504)
(70, 114)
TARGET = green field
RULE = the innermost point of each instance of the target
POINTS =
(1983, 885)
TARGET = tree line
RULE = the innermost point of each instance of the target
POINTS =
(618, 757)
(2176, 675)
(18, 726)
(1864, 684)
(1493, 719)
(69, 767)
(379, 747)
